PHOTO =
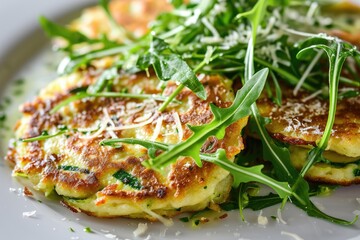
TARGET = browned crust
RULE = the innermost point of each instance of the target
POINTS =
(343, 182)
(302, 123)
(185, 174)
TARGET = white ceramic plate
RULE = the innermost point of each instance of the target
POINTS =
(24, 51)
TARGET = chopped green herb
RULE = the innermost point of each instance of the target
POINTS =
(2, 117)
(73, 169)
(18, 92)
(19, 81)
(357, 172)
(184, 219)
(197, 222)
(88, 230)
(127, 179)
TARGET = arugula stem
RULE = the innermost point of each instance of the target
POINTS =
(43, 137)
(349, 81)
(336, 62)
(171, 97)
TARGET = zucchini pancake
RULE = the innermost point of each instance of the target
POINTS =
(105, 181)
(300, 122)
(127, 96)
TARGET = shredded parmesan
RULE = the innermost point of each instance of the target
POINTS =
(118, 128)
(143, 118)
(132, 108)
(211, 28)
(141, 229)
(157, 129)
(29, 214)
(91, 129)
(293, 235)
(307, 72)
(310, 14)
(168, 222)
(262, 220)
(178, 126)
(109, 121)
(109, 235)
(311, 96)
(103, 126)
(279, 217)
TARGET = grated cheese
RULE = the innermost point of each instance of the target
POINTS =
(262, 220)
(311, 12)
(307, 72)
(29, 214)
(141, 229)
(293, 235)
(178, 126)
(109, 235)
(157, 129)
(312, 96)
(211, 28)
(168, 222)
(118, 128)
(194, 18)
(109, 121)
(143, 118)
(279, 217)
(102, 128)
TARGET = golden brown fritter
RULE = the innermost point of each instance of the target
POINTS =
(76, 167)
(300, 121)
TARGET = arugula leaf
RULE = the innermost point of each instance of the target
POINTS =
(170, 66)
(176, 3)
(261, 202)
(126, 36)
(337, 52)
(71, 36)
(74, 62)
(255, 16)
(55, 30)
(280, 157)
(223, 117)
(103, 80)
